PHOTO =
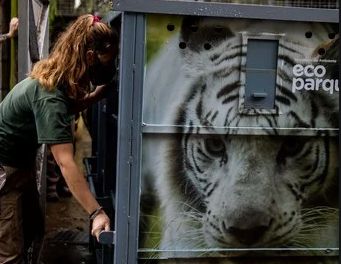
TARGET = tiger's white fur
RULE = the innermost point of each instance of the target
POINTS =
(238, 191)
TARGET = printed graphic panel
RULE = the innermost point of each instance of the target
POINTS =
(227, 173)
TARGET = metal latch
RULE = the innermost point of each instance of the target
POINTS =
(259, 95)
(107, 237)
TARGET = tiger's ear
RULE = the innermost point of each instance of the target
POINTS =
(203, 33)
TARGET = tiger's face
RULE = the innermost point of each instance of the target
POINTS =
(252, 190)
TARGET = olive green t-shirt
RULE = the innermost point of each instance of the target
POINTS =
(30, 116)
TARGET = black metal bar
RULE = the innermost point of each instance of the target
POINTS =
(33, 39)
(107, 237)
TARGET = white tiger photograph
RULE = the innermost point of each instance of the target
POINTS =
(225, 180)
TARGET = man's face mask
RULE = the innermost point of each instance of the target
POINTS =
(101, 73)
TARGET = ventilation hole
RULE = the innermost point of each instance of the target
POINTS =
(321, 51)
(207, 46)
(308, 34)
(182, 45)
(194, 28)
(331, 35)
(170, 27)
(218, 29)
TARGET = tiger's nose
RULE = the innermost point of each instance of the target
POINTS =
(246, 236)
(247, 227)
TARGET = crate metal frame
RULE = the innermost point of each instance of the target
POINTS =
(228, 10)
(129, 138)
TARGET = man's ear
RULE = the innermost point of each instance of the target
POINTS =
(90, 57)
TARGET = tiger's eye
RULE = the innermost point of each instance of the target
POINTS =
(290, 147)
(293, 147)
(215, 146)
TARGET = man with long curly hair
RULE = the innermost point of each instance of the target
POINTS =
(40, 110)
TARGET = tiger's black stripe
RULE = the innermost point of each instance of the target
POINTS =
(284, 76)
(214, 116)
(196, 166)
(198, 109)
(194, 92)
(310, 182)
(227, 116)
(300, 122)
(186, 139)
(295, 192)
(295, 51)
(227, 57)
(204, 154)
(283, 100)
(233, 56)
(322, 177)
(207, 186)
(287, 59)
(306, 152)
(287, 92)
(227, 89)
(269, 120)
(314, 113)
(213, 188)
(230, 99)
